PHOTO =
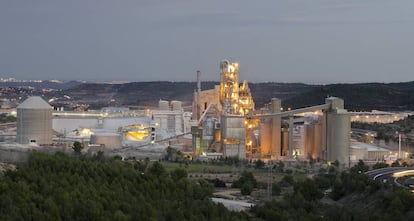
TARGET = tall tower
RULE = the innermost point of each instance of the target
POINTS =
(198, 94)
(245, 99)
(229, 87)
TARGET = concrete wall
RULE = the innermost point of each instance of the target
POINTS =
(207, 97)
(233, 136)
(276, 124)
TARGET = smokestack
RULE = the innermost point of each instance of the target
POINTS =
(198, 94)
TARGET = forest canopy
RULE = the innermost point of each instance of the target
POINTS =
(60, 187)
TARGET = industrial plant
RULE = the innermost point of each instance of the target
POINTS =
(228, 123)
(223, 122)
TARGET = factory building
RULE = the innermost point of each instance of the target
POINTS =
(220, 113)
(268, 133)
(34, 122)
(168, 119)
(369, 152)
(207, 98)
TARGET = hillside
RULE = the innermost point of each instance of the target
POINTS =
(149, 93)
(366, 96)
(360, 97)
(56, 85)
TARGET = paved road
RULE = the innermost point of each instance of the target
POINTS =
(387, 175)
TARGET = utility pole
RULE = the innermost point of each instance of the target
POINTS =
(270, 181)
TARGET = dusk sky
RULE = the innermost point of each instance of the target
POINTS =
(309, 41)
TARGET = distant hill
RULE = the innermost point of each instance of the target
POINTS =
(149, 93)
(42, 85)
(360, 97)
(366, 96)
(263, 92)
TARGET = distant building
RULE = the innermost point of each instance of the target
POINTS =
(376, 116)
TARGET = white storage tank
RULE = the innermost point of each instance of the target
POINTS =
(163, 105)
(34, 121)
(176, 105)
(110, 140)
(338, 130)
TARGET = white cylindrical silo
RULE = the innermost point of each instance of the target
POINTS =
(34, 121)
(338, 127)
(176, 105)
(163, 105)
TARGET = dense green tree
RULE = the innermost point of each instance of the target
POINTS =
(219, 183)
(308, 189)
(259, 164)
(77, 147)
(287, 180)
(279, 166)
(379, 165)
(246, 188)
(360, 167)
(59, 187)
(157, 169)
(276, 190)
(244, 178)
(178, 173)
(5, 118)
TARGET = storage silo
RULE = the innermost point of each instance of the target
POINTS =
(163, 105)
(34, 121)
(338, 128)
(176, 105)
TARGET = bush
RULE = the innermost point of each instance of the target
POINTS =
(246, 188)
(259, 164)
(379, 165)
(219, 183)
(287, 181)
(276, 189)
(245, 177)
(178, 174)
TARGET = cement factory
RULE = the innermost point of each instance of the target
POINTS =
(229, 124)
(223, 123)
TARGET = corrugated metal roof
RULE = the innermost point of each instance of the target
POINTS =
(369, 147)
(34, 102)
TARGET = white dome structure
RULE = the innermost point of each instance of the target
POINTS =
(34, 122)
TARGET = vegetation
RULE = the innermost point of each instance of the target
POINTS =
(246, 183)
(379, 165)
(60, 187)
(5, 118)
(77, 147)
(357, 198)
(259, 164)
